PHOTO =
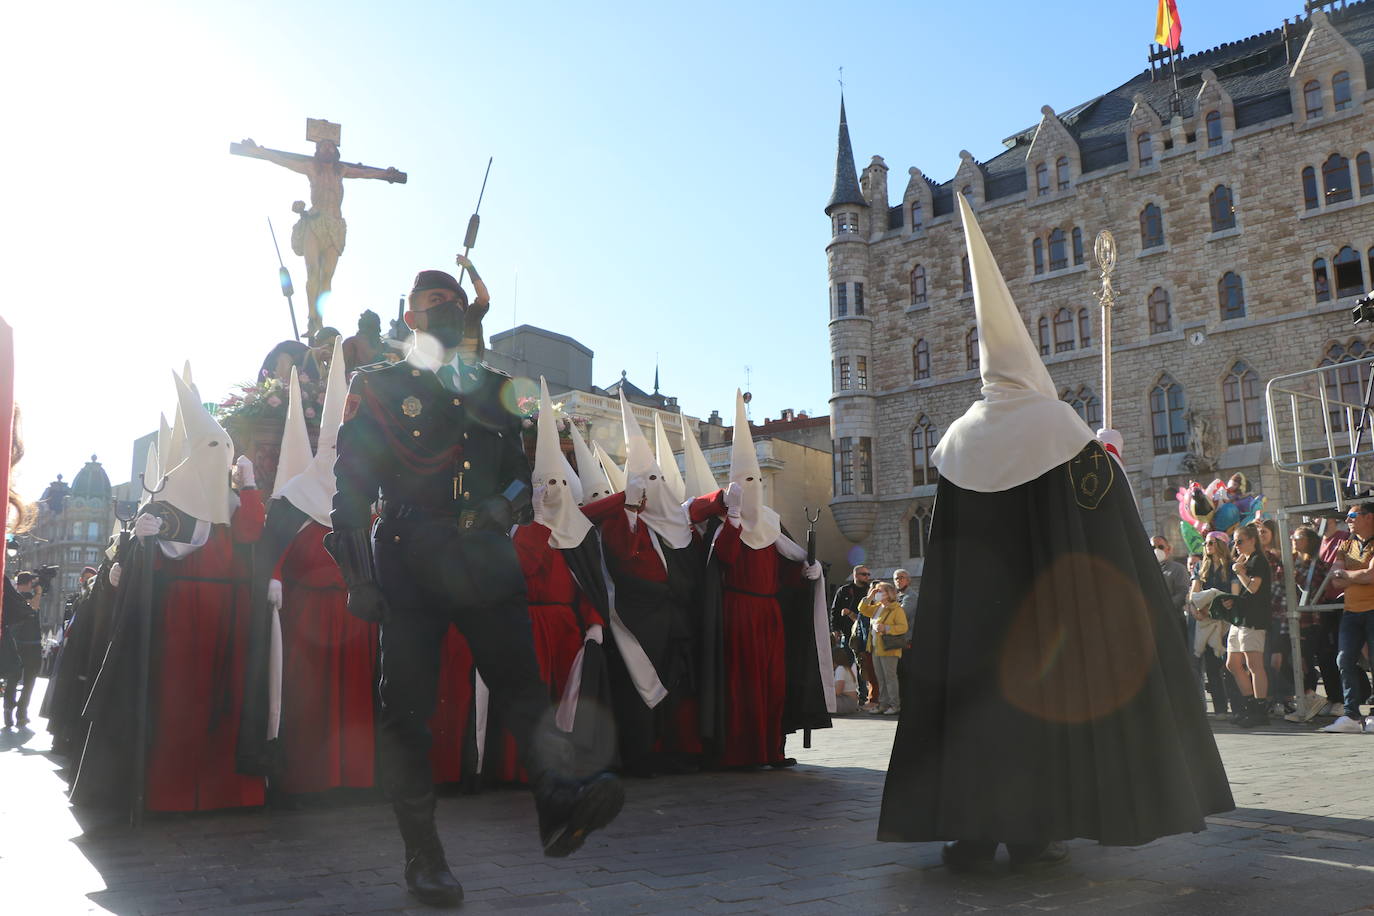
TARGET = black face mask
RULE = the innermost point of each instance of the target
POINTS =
(446, 324)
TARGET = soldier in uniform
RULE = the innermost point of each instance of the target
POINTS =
(438, 436)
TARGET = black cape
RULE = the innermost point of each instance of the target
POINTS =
(1048, 693)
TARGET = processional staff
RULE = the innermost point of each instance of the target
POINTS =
(1104, 250)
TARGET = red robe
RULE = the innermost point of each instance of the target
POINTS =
(328, 673)
(453, 708)
(755, 648)
(199, 652)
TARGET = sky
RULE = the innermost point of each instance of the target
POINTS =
(659, 179)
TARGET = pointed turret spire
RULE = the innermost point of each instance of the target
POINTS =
(846, 176)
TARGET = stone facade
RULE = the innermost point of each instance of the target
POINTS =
(1070, 175)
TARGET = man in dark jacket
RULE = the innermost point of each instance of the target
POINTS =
(23, 632)
(852, 628)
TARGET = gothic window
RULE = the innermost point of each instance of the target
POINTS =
(844, 466)
(1044, 329)
(1085, 403)
(1059, 255)
(1161, 317)
(858, 298)
(1312, 96)
(918, 532)
(1309, 188)
(1061, 173)
(841, 299)
(847, 222)
(1167, 425)
(920, 359)
(844, 373)
(1223, 208)
(1321, 282)
(1336, 178)
(861, 372)
(1240, 391)
(924, 438)
(1038, 255)
(1145, 149)
(1349, 273)
(1063, 331)
(1042, 180)
(1347, 384)
(1213, 129)
(1077, 245)
(968, 277)
(1085, 329)
(918, 285)
(865, 465)
(971, 349)
(1340, 91)
(917, 216)
(1365, 173)
(1231, 296)
(1151, 227)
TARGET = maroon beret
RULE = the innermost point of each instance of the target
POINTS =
(434, 279)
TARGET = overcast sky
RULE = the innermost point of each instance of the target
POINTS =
(660, 173)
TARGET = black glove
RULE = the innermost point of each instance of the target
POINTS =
(367, 603)
(351, 548)
(495, 514)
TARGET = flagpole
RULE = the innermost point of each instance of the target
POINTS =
(1104, 250)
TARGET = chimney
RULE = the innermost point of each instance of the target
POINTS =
(714, 419)
(788, 415)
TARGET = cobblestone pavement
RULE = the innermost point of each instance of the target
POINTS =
(794, 842)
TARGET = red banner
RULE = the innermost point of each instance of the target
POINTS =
(1168, 27)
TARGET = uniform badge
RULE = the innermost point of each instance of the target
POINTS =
(1091, 473)
(411, 407)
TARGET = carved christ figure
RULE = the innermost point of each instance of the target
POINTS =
(319, 236)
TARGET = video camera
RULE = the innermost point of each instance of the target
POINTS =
(46, 575)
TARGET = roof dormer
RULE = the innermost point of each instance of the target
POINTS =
(917, 202)
(1144, 137)
(969, 180)
(1216, 117)
(1053, 163)
(1327, 81)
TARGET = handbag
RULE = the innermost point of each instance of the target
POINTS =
(893, 641)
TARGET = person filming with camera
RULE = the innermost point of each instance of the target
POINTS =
(23, 638)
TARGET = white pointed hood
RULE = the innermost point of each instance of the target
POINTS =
(699, 480)
(595, 484)
(759, 523)
(198, 484)
(151, 472)
(163, 445)
(295, 455)
(614, 472)
(662, 511)
(667, 461)
(312, 490)
(558, 509)
(1020, 429)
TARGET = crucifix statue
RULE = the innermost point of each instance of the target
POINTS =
(319, 235)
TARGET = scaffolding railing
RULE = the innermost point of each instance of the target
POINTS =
(1321, 437)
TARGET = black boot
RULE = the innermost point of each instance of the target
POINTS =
(969, 856)
(1240, 711)
(571, 809)
(1258, 713)
(427, 875)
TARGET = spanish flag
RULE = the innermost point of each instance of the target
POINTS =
(1168, 27)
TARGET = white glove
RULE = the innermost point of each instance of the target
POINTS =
(1112, 441)
(274, 594)
(114, 574)
(243, 473)
(734, 497)
(811, 570)
(634, 493)
(147, 525)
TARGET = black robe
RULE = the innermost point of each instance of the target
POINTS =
(1048, 693)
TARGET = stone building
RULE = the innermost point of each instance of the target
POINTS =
(1243, 211)
(71, 531)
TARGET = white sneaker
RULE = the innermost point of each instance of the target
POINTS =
(1369, 725)
(1344, 726)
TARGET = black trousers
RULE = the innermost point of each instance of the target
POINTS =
(433, 575)
(19, 688)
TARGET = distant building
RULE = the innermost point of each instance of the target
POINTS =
(71, 531)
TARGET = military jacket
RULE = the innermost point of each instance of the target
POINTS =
(423, 446)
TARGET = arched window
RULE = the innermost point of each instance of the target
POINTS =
(1161, 316)
(1213, 129)
(1312, 96)
(1167, 424)
(917, 216)
(1059, 252)
(1038, 255)
(1310, 198)
(968, 277)
(1321, 282)
(1085, 329)
(1044, 329)
(920, 359)
(1365, 173)
(1063, 331)
(918, 532)
(1145, 149)
(1349, 273)
(1061, 172)
(1231, 296)
(918, 285)
(1336, 178)
(1042, 180)
(1340, 91)
(1345, 388)
(1077, 245)
(1222, 207)
(1085, 403)
(1240, 392)
(924, 438)
(1151, 227)
(971, 349)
